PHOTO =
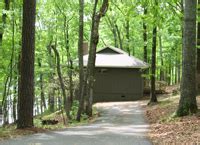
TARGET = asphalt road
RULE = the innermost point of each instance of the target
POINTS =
(119, 124)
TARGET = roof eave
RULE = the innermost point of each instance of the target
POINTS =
(136, 67)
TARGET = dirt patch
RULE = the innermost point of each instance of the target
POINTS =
(165, 129)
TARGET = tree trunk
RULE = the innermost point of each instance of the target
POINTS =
(80, 56)
(198, 50)
(51, 99)
(13, 59)
(161, 60)
(62, 85)
(188, 103)
(69, 62)
(145, 38)
(111, 23)
(26, 94)
(14, 107)
(51, 76)
(153, 98)
(94, 38)
(119, 36)
(42, 98)
(4, 16)
(198, 70)
(128, 37)
(5, 102)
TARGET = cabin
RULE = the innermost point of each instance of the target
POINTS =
(118, 76)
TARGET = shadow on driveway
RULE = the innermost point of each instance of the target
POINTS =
(119, 124)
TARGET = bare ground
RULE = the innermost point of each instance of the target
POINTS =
(165, 129)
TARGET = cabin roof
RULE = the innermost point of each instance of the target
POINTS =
(111, 57)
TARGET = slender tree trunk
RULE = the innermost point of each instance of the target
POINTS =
(26, 94)
(66, 103)
(153, 98)
(128, 37)
(172, 75)
(111, 23)
(169, 72)
(198, 50)
(4, 16)
(179, 72)
(5, 102)
(14, 111)
(161, 60)
(94, 38)
(59, 100)
(188, 103)
(145, 36)
(176, 68)
(42, 98)
(69, 62)
(51, 76)
(51, 99)
(198, 70)
(18, 80)
(80, 56)
(119, 36)
(14, 105)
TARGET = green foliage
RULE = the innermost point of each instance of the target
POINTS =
(74, 109)
(53, 14)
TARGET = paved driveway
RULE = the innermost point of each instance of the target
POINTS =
(119, 124)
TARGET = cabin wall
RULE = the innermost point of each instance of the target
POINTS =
(117, 84)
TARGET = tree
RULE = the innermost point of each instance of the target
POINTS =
(198, 50)
(94, 39)
(62, 85)
(187, 102)
(80, 57)
(145, 35)
(4, 16)
(26, 94)
(42, 102)
(153, 98)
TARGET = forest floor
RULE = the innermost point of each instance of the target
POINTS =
(166, 129)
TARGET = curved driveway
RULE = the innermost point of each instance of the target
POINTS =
(119, 124)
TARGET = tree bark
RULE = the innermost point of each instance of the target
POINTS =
(66, 102)
(94, 38)
(198, 50)
(4, 16)
(51, 76)
(5, 102)
(128, 36)
(119, 36)
(153, 98)
(80, 56)
(69, 62)
(161, 60)
(42, 98)
(188, 103)
(145, 38)
(26, 94)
